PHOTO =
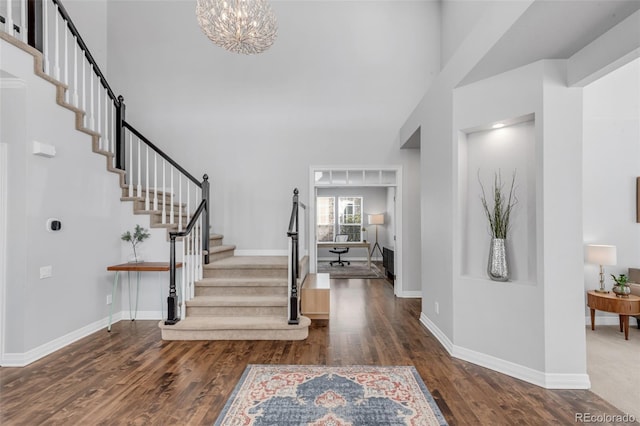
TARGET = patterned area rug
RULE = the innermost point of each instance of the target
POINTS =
(330, 396)
(355, 270)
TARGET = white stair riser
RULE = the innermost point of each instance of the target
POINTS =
(240, 291)
(242, 311)
(220, 255)
(244, 273)
(294, 334)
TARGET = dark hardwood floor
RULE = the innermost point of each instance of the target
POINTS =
(131, 376)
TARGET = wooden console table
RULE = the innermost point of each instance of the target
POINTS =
(137, 268)
(609, 302)
(348, 244)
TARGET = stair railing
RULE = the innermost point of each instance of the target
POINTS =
(293, 305)
(155, 182)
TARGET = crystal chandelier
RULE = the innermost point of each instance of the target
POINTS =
(241, 26)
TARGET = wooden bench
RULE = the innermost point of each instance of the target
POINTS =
(316, 296)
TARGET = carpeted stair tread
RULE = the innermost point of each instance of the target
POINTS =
(237, 323)
(242, 282)
(252, 262)
(238, 300)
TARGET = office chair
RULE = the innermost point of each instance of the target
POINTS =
(340, 238)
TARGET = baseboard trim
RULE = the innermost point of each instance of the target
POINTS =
(261, 253)
(529, 375)
(607, 319)
(410, 294)
(437, 333)
(26, 358)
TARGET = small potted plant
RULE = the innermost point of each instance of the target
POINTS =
(139, 235)
(621, 289)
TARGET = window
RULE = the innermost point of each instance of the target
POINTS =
(350, 217)
(325, 218)
(346, 220)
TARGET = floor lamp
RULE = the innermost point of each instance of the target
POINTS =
(376, 219)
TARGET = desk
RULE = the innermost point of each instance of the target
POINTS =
(348, 244)
(137, 268)
(609, 302)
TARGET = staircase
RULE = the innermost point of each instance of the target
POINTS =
(239, 298)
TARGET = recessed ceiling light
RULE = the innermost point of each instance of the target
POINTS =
(498, 125)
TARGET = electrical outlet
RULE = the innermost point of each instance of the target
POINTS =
(46, 271)
(109, 300)
(437, 308)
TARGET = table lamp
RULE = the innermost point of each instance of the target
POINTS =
(601, 255)
(376, 219)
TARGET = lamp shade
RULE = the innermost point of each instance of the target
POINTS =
(601, 254)
(376, 219)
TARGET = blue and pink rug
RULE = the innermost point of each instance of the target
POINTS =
(330, 396)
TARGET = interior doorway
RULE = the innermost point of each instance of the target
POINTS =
(342, 181)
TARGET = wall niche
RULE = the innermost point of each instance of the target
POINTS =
(484, 151)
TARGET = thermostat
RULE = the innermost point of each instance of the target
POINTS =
(53, 225)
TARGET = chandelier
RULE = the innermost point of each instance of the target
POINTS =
(241, 26)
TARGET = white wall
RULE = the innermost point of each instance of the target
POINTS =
(73, 187)
(611, 165)
(255, 124)
(458, 19)
(90, 19)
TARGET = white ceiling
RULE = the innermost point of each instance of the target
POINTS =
(551, 29)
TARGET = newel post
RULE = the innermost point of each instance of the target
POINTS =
(294, 306)
(205, 219)
(120, 135)
(172, 299)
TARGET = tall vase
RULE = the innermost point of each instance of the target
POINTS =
(497, 267)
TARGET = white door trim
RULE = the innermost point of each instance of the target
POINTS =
(313, 249)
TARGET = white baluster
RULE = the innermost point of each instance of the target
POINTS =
(66, 62)
(146, 197)
(171, 207)
(92, 124)
(56, 47)
(84, 90)
(155, 181)
(188, 216)
(45, 36)
(164, 193)
(8, 23)
(99, 115)
(180, 202)
(76, 84)
(139, 188)
(130, 170)
(107, 121)
(23, 21)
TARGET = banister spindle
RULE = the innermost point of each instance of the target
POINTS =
(65, 63)
(130, 170)
(164, 192)
(139, 186)
(56, 41)
(99, 120)
(146, 196)
(84, 90)
(171, 205)
(76, 85)
(155, 181)
(180, 202)
(45, 36)
(23, 21)
(91, 124)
